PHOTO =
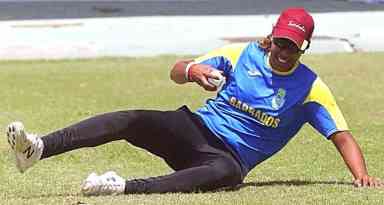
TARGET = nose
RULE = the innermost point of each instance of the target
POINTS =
(285, 53)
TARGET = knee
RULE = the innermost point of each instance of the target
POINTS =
(227, 171)
(130, 118)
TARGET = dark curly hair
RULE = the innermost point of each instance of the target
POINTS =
(265, 43)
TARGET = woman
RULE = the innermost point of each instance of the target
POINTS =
(267, 97)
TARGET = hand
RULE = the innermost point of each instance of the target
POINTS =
(368, 181)
(200, 73)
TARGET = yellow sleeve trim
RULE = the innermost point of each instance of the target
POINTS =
(232, 52)
(320, 93)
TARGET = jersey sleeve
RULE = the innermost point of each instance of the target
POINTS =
(224, 58)
(322, 111)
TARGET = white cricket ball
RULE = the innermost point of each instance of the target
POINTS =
(217, 82)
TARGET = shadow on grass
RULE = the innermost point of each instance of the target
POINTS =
(226, 189)
(295, 183)
(37, 196)
(284, 183)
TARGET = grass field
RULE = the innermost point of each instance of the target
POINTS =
(47, 95)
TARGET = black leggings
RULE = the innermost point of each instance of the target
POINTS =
(200, 160)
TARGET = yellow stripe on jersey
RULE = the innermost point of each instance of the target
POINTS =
(320, 93)
(232, 52)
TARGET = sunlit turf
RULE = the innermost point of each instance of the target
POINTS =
(47, 95)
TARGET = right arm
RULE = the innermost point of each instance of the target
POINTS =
(178, 71)
(222, 59)
(198, 73)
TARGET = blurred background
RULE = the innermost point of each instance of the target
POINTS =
(83, 29)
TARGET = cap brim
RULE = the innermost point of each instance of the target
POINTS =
(300, 42)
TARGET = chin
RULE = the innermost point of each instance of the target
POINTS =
(287, 67)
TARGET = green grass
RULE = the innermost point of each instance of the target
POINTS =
(47, 95)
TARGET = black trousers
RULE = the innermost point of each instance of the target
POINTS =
(200, 160)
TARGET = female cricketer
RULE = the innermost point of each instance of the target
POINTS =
(268, 95)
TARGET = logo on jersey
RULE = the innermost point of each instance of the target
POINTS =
(254, 72)
(279, 99)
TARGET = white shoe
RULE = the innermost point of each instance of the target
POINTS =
(27, 147)
(107, 184)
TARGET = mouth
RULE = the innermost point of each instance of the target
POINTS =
(282, 63)
(282, 60)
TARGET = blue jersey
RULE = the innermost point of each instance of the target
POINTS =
(259, 110)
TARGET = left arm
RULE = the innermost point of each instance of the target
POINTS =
(325, 116)
(353, 157)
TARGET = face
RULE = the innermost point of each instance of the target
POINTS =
(284, 54)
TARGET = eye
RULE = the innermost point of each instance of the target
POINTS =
(279, 42)
(286, 44)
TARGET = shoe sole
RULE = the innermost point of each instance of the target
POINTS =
(17, 137)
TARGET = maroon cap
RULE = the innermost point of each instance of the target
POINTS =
(295, 24)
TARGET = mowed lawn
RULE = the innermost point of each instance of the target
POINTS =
(47, 95)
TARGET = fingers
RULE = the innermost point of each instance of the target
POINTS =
(200, 74)
(378, 183)
(213, 74)
(203, 82)
(368, 181)
(199, 71)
